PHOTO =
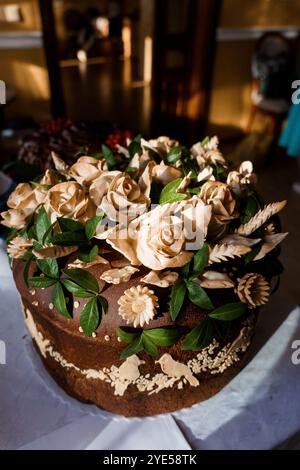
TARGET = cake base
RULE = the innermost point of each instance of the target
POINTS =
(137, 405)
(85, 386)
(90, 368)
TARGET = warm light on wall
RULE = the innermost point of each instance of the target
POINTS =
(126, 38)
(31, 80)
(147, 59)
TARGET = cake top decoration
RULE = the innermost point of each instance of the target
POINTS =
(179, 217)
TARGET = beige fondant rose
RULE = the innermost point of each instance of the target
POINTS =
(163, 237)
(223, 204)
(87, 169)
(49, 178)
(118, 196)
(207, 153)
(162, 144)
(165, 173)
(22, 204)
(69, 200)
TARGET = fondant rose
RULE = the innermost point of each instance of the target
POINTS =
(161, 144)
(24, 197)
(223, 204)
(49, 178)
(16, 218)
(22, 203)
(207, 153)
(162, 237)
(161, 173)
(87, 169)
(165, 173)
(69, 200)
(119, 196)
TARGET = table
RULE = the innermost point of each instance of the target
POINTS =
(258, 409)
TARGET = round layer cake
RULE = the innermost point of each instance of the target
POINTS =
(143, 309)
(90, 368)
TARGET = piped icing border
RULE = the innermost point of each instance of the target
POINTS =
(211, 359)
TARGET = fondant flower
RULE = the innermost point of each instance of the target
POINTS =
(23, 202)
(159, 279)
(207, 153)
(237, 179)
(138, 305)
(161, 173)
(118, 275)
(59, 164)
(253, 289)
(87, 169)
(16, 218)
(161, 238)
(223, 204)
(161, 145)
(119, 196)
(18, 247)
(69, 200)
(49, 178)
(24, 197)
(165, 173)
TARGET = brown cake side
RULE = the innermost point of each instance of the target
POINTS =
(90, 368)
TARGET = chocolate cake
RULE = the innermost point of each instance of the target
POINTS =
(141, 288)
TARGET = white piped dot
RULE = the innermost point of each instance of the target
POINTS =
(80, 329)
(35, 303)
(119, 339)
(51, 306)
(76, 304)
(32, 291)
(107, 338)
(94, 334)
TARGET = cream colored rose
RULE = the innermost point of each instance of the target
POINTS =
(87, 169)
(16, 218)
(100, 186)
(161, 173)
(161, 145)
(49, 178)
(207, 153)
(165, 173)
(223, 204)
(24, 197)
(69, 200)
(22, 204)
(119, 196)
(162, 237)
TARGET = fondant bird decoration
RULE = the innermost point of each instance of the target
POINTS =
(128, 374)
(176, 369)
(129, 370)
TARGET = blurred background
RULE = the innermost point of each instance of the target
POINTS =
(83, 72)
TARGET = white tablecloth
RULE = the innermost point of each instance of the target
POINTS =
(259, 409)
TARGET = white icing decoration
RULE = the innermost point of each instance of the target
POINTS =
(176, 369)
(173, 372)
